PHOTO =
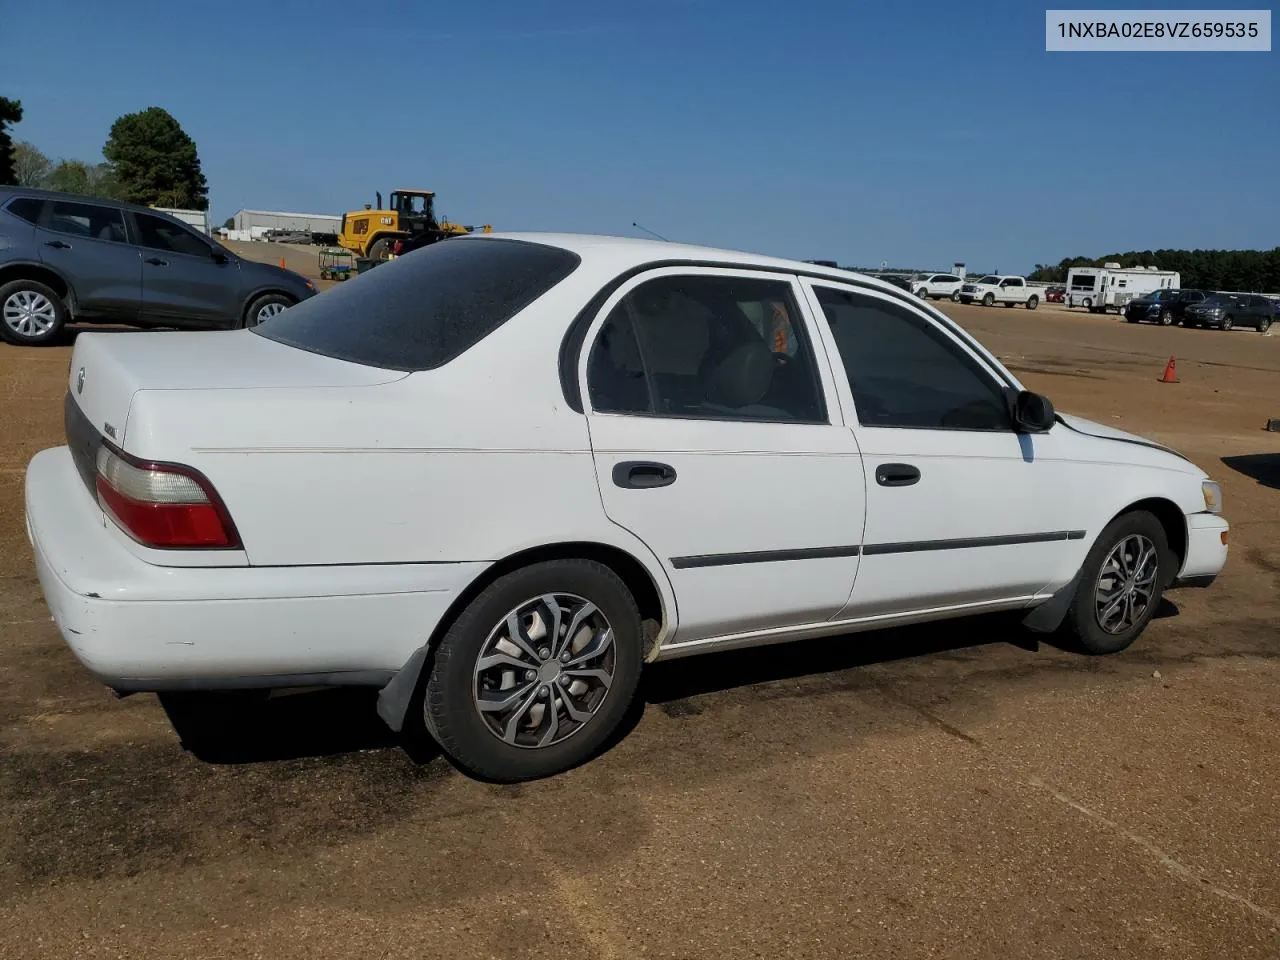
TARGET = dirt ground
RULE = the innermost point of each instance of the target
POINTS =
(953, 791)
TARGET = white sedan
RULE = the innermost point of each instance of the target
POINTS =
(497, 476)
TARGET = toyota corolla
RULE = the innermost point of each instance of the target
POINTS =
(496, 477)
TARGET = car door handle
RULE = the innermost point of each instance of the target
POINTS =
(156, 262)
(896, 474)
(642, 475)
(57, 245)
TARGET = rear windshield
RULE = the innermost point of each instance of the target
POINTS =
(424, 309)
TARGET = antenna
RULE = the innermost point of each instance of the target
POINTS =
(650, 232)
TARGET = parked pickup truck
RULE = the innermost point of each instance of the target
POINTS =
(1006, 290)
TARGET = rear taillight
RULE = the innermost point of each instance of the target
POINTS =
(164, 505)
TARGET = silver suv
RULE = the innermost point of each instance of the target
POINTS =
(65, 258)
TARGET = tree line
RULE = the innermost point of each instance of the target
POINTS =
(1256, 271)
(147, 159)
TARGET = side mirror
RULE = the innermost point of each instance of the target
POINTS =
(1032, 413)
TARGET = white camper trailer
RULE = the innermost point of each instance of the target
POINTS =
(1112, 286)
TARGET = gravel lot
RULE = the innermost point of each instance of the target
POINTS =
(956, 790)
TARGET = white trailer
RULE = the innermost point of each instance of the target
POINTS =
(1111, 286)
(259, 221)
(196, 218)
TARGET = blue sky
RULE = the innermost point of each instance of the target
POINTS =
(859, 131)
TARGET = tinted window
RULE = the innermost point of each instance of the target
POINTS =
(425, 308)
(87, 220)
(1085, 281)
(905, 372)
(714, 347)
(161, 234)
(28, 208)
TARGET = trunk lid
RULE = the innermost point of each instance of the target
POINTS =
(107, 369)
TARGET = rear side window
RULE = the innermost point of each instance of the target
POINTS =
(424, 309)
(26, 208)
(87, 220)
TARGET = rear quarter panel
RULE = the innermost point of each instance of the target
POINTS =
(475, 460)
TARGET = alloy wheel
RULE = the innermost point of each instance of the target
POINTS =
(29, 314)
(270, 310)
(1126, 583)
(544, 671)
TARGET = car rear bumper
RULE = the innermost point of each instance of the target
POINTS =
(1206, 550)
(138, 626)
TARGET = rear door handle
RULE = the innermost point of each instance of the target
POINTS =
(156, 261)
(642, 475)
(896, 474)
(57, 245)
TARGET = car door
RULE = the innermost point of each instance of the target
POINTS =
(962, 511)
(185, 281)
(87, 244)
(718, 442)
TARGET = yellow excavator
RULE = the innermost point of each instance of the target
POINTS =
(407, 222)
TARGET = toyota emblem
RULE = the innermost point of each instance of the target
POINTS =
(80, 381)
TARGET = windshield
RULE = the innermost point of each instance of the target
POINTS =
(423, 309)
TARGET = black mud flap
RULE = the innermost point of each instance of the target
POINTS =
(395, 697)
(1048, 616)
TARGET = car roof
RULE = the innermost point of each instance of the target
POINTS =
(623, 253)
(40, 193)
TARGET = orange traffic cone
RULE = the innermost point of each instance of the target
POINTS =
(282, 263)
(1170, 372)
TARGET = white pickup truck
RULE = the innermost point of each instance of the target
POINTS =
(1004, 289)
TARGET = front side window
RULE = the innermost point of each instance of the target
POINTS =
(160, 234)
(87, 220)
(905, 372)
(706, 347)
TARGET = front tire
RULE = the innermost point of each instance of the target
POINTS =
(1264, 324)
(537, 672)
(381, 249)
(265, 307)
(1228, 323)
(31, 313)
(1121, 583)
(923, 293)
(1166, 318)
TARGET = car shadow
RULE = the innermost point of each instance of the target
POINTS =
(254, 728)
(1262, 467)
(231, 729)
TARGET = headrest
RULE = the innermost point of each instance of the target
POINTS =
(743, 377)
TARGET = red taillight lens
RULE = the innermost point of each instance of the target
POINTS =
(397, 247)
(163, 505)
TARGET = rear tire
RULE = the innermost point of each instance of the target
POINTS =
(31, 313)
(1130, 557)
(955, 296)
(1264, 324)
(505, 744)
(1033, 302)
